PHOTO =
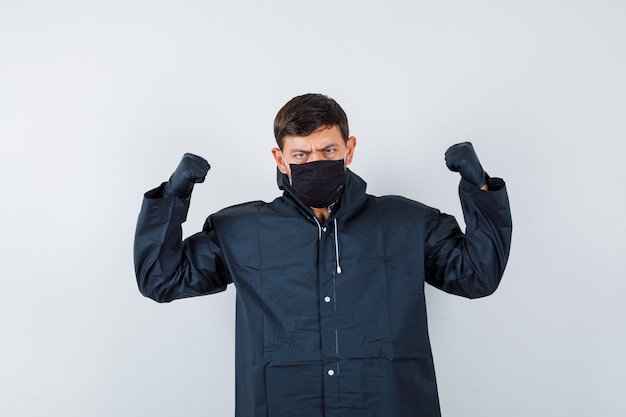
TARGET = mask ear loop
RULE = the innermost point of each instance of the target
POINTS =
(287, 168)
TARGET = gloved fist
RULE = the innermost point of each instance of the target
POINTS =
(462, 158)
(190, 170)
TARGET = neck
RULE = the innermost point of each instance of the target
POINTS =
(321, 213)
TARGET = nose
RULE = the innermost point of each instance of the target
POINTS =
(314, 156)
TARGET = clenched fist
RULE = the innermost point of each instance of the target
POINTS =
(191, 169)
(462, 158)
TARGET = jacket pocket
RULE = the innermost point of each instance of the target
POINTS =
(295, 390)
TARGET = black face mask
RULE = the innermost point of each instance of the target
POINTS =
(320, 183)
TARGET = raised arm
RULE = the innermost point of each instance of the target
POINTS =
(167, 267)
(470, 264)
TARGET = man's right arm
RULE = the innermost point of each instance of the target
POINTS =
(166, 267)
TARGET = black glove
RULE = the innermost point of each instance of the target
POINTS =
(190, 170)
(462, 158)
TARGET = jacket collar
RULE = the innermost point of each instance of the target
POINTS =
(353, 195)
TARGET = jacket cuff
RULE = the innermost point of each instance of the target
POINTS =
(155, 193)
(167, 207)
(494, 184)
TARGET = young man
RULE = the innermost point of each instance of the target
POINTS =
(331, 316)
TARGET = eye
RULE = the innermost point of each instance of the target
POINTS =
(300, 155)
(329, 151)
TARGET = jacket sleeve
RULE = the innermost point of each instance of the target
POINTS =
(168, 268)
(471, 264)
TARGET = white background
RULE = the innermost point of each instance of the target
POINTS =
(99, 100)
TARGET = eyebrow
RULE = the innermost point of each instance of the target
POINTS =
(330, 145)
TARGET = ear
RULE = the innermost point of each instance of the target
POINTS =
(350, 145)
(278, 157)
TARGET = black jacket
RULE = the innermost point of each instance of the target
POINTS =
(331, 318)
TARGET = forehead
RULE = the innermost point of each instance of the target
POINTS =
(319, 139)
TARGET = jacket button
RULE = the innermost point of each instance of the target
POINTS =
(327, 299)
(331, 372)
(324, 228)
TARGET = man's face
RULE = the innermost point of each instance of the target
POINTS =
(325, 143)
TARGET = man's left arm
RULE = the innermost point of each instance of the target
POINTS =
(470, 264)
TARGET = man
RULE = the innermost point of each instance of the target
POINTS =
(331, 316)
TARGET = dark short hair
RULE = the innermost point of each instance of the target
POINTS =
(303, 115)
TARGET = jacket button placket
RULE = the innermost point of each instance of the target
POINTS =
(328, 322)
